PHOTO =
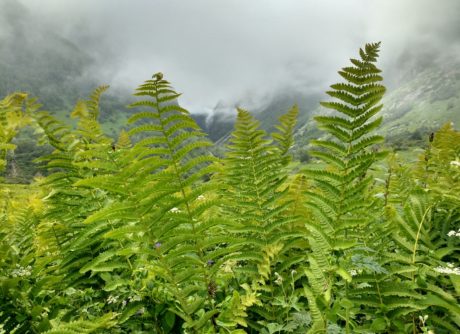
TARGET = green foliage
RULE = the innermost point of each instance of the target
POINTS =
(15, 111)
(255, 196)
(82, 326)
(151, 233)
(339, 198)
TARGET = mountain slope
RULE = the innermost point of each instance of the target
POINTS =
(419, 104)
(430, 99)
(37, 60)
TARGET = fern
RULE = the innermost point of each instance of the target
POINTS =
(84, 326)
(416, 236)
(78, 153)
(255, 189)
(254, 178)
(159, 203)
(20, 304)
(338, 199)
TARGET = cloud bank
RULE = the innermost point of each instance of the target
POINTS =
(231, 51)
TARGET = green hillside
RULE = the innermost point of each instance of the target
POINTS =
(38, 60)
(420, 104)
(429, 100)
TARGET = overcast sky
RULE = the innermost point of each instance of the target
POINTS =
(245, 50)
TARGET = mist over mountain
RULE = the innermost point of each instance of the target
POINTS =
(38, 60)
(258, 62)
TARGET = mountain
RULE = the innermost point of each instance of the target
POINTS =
(423, 99)
(37, 60)
(423, 93)
(430, 99)
(219, 122)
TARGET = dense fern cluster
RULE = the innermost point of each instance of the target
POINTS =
(152, 233)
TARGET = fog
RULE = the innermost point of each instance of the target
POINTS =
(235, 51)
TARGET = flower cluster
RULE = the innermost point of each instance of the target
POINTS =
(353, 272)
(21, 271)
(454, 233)
(449, 270)
(423, 324)
(112, 299)
(423, 319)
(455, 163)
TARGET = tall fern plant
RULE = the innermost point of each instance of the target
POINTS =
(265, 242)
(338, 199)
(157, 221)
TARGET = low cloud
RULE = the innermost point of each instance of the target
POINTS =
(239, 51)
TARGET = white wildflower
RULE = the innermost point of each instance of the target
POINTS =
(112, 299)
(200, 198)
(455, 163)
(174, 210)
(21, 271)
(279, 279)
(449, 270)
(353, 272)
(423, 319)
(454, 233)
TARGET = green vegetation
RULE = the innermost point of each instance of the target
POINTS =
(151, 233)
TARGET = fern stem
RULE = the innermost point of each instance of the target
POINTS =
(347, 312)
(387, 186)
(56, 237)
(418, 235)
